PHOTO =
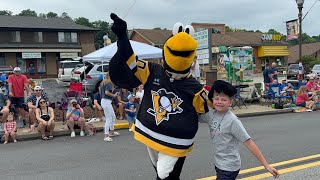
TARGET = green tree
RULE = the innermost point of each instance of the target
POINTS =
(273, 31)
(104, 28)
(83, 21)
(65, 15)
(6, 12)
(42, 15)
(28, 12)
(308, 62)
(52, 14)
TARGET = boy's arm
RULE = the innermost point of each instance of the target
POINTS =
(253, 148)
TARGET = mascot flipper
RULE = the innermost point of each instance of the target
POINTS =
(167, 120)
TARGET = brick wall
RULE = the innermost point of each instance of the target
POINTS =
(136, 37)
(87, 43)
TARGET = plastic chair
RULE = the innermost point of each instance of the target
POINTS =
(76, 86)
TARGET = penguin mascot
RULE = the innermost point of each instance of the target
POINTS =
(167, 120)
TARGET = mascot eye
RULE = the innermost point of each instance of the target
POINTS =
(178, 27)
(189, 29)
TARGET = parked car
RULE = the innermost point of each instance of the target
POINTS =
(316, 69)
(92, 76)
(65, 68)
(293, 71)
(76, 73)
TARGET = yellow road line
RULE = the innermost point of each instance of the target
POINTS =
(275, 164)
(283, 171)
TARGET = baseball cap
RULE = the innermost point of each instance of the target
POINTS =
(37, 88)
(130, 96)
(16, 69)
(73, 101)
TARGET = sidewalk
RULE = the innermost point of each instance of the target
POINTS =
(62, 130)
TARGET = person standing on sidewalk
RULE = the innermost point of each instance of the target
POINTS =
(131, 109)
(106, 103)
(227, 132)
(273, 72)
(17, 83)
(97, 105)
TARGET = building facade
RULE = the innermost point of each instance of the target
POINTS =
(38, 44)
(267, 48)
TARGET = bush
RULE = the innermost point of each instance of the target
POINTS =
(308, 62)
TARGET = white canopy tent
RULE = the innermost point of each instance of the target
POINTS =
(142, 50)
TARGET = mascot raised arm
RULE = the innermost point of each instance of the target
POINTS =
(167, 120)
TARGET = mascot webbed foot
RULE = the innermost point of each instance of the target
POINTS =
(119, 26)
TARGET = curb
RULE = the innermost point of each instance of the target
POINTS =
(252, 114)
(66, 132)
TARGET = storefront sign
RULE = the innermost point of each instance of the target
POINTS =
(202, 38)
(271, 37)
(68, 55)
(31, 55)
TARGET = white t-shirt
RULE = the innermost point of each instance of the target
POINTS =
(37, 102)
(196, 71)
(139, 95)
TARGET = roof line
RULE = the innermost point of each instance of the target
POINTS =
(135, 30)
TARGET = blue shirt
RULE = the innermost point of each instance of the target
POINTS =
(266, 78)
(104, 88)
(131, 106)
(272, 70)
(97, 97)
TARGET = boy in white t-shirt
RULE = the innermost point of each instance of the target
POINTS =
(227, 132)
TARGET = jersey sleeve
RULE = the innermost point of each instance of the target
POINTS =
(200, 101)
(239, 131)
(126, 71)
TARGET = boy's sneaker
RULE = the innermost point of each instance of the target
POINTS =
(309, 110)
(130, 129)
(81, 133)
(108, 139)
(73, 134)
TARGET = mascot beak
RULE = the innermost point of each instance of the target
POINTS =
(179, 52)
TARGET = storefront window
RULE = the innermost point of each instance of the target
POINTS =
(280, 61)
(41, 66)
(22, 64)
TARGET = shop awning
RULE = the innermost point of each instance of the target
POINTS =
(264, 51)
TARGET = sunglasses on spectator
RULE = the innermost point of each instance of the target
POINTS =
(42, 102)
(38, 90)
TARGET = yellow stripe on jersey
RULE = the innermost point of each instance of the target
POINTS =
(131, 62)
(200, 101)
(159, 147)
(143, 71)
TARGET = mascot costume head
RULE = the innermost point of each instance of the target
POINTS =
(178, 52)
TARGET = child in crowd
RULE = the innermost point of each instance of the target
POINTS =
(303, 100)
(10, 128)
(131, 108)
(227, 132)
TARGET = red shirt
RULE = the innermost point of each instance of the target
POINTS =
(17, 84)
(301, 98)
(311, 85)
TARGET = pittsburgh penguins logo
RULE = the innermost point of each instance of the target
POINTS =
(164, 104)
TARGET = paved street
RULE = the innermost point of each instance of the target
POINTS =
(280, 137)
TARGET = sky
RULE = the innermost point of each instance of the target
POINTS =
(242, 14)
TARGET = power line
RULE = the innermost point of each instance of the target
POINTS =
(310, 9)
(130, 9)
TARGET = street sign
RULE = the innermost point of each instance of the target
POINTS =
(202, 38)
